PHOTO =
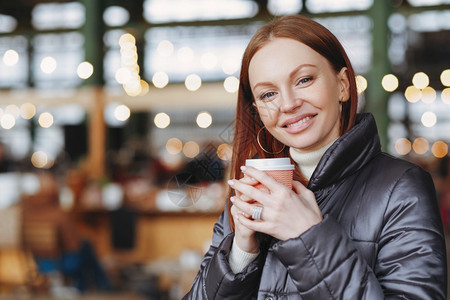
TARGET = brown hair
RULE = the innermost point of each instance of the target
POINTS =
(248, 122)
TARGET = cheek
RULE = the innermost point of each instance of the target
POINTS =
(268, 112)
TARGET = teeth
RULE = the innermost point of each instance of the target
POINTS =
(299, 122)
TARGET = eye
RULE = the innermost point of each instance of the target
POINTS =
(267, 96)
(304, 80)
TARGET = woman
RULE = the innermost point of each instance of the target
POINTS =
(357, 224)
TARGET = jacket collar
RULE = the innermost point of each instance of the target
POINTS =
(348, 154)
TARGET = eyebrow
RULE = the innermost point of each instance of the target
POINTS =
(291, 74)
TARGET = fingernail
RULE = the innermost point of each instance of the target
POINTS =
(232, 199)
(243, 168)
(231, 182)
(252, 179)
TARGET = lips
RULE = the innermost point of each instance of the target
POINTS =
(298, 121)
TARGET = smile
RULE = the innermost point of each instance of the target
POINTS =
(299, 122)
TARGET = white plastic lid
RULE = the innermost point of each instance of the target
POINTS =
(270, 164)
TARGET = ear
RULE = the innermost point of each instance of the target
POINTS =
(344, 85)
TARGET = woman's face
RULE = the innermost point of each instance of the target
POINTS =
(297, 94)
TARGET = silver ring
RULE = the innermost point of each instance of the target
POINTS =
(256, 212)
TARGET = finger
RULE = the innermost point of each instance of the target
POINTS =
(303, 192)
(298, 187)
(261, 177)
(254, 225)
(243, 207)
(243, 197)
(248, 190)
(236, 212)
(248, 180)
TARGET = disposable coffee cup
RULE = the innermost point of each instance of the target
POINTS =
(280, 169)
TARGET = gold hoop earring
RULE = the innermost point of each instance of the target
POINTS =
(262, 148)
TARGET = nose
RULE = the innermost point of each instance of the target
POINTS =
(289, 101)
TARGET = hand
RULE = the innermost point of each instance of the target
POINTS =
(286, 213)
(244, 237)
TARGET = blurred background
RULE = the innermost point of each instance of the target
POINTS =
(116, 124)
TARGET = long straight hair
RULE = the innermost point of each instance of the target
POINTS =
(248, 122)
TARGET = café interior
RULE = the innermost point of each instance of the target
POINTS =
(129, 106)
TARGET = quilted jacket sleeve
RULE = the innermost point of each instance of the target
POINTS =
(411, 258)
(215, 280)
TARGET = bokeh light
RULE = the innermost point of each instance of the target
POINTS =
(439, 149)
(389, 82)
(145, 87)
(123, 75)
(160, 79)
(445, 96)
(7, 121)
(11, 57)
(122, 112)
(174, 146)
(48, 65)
(161, 120)
(428, 119)
(39, 159)
(420, 145)
(204, 119)
(361, 83)
(224, 152)
(231, 84)
(193, 82)
(412, 94)
(27, 110)
(125, 39)
(85, 70)
(445, 77)
(402, 146)
(45, 120)
(191, 149)
(428, 95)
(420, 80)
(13, 110)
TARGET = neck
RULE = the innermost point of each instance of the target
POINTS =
(308, 161)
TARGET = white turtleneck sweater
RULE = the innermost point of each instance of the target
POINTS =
(307, 162)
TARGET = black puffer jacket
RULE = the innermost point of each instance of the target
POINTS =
(381, 237)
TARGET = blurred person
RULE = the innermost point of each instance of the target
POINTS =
(51, 235)
(358, 223)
